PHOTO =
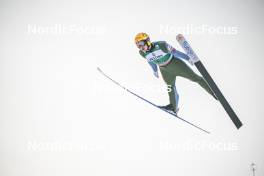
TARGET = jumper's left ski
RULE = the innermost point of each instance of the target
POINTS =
(171, 113)
(199, 65)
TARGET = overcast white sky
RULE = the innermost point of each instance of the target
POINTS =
(59, 116)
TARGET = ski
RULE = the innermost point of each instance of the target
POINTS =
(149, 102)
(199, 65)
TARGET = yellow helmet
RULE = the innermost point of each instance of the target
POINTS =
(142, 37)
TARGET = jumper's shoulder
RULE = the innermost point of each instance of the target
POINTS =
(159, 43)
(162, 45)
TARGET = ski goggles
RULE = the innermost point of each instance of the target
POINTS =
(141, 44)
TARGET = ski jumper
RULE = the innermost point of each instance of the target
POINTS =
(171, 65)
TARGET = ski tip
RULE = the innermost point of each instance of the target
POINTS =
(99, 69)
(179, 37)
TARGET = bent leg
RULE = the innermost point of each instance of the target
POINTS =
(188, 73)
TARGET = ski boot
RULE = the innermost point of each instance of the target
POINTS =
(169, 108)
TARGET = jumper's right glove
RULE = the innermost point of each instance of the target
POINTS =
(156, 74)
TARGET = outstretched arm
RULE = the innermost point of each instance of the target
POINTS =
(178, 54)
(152, 65)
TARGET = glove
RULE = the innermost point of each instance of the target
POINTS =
(156, 74)
(191, 62)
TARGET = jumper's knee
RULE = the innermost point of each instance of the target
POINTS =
(197, 79)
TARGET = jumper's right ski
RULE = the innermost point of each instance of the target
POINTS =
(199, 65)
(171, 113)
